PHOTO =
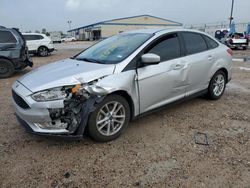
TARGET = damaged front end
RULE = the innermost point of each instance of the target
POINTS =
(78, 103)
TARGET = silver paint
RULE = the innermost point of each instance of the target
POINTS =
(149, 87)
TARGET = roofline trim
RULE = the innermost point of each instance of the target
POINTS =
(139, 24)
(99, 23)
(141, 16)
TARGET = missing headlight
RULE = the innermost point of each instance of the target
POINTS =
(71, 113)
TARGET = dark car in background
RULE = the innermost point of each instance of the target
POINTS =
(14, 53)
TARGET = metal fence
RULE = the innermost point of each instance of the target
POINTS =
(210, 28)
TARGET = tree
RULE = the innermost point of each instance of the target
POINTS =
(37, 31)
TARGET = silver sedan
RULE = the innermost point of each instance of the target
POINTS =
(104, 87)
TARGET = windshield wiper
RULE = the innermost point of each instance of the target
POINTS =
(89, 60)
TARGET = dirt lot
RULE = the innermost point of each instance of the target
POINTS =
(156, 150)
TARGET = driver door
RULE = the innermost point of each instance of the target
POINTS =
(165, 82)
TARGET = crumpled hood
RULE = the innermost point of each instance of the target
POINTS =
(64, 72)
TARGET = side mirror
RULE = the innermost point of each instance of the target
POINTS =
(150, 59)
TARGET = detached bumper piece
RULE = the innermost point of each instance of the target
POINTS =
(23, 64)
(29, 62)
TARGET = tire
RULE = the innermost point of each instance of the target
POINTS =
(43, 51)
(6, 68)
(119, 119)
(244, 48)
(218, 81)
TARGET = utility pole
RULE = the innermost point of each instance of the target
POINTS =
(231, 15)
(69, 22)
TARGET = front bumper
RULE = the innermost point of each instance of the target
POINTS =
(61, 136)
(34, 115)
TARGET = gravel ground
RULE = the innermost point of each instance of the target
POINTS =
(157, 150)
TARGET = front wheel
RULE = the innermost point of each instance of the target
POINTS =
(43, 51)
(217, 85)
(110, 119)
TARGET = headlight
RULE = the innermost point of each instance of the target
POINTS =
(50, 94)
(67, 91)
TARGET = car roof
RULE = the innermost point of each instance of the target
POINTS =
(163, 30)
(6, 29)
(149, 31)
(33, 34)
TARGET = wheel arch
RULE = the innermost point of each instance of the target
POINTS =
(128, 98)
(225, 71)
(10, 60)
(42, 46)
(6, 58)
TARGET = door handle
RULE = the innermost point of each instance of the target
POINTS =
(178, 66)
(210, 57)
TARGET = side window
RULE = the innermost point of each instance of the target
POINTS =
(168, 48)
(194, 43)
(7, 37)
(39, 37)
(26, 37)
(32, 37)
(29, 37)
(211, 44)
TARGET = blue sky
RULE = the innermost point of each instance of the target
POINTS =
(54, 14)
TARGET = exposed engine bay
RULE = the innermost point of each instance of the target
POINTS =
(77, 106)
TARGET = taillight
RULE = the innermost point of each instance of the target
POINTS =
(230, 51)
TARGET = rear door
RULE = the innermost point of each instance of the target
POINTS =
(199, 61)
(165, 82)
(8, 43)
(33, 41)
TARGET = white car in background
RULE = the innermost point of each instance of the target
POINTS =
(68, 39)
(39, 44)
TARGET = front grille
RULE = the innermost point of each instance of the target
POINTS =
(19, 101)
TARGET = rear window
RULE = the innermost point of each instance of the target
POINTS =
(211, 44)
(239, 34)
(194, 43)
(32, 37)
(7, 37)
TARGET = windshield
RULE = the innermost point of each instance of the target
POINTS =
(114, 49)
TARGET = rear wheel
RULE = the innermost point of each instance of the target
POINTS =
(43, 51)
(217, 85)
(110, 119)
(6, 68)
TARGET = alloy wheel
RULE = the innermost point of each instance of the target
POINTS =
(219, 84)
(110, 118)
(43, 51)
(3, 70)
